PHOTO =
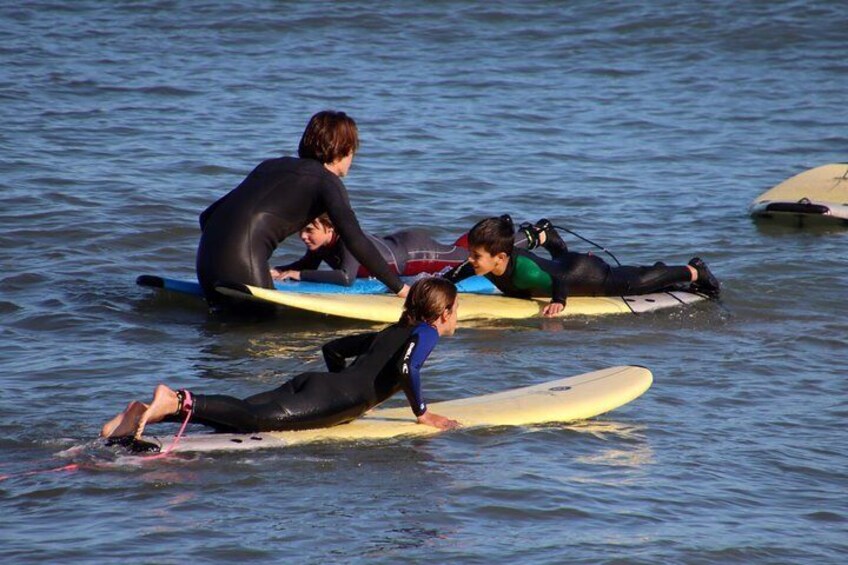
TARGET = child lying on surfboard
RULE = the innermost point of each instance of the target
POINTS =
(408, 252)
(386, 362)
(492, 252)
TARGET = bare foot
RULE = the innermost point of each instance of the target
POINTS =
(124, 423)
(165, 403)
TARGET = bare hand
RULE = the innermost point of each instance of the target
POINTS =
(278, 275)
(430, 419)
(404, 291)
(552, 309)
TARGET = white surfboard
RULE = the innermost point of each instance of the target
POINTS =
(565, 400)
(819, 194)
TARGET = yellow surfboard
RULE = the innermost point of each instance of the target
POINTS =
(820, 193)
(565, 400)
(387, 307)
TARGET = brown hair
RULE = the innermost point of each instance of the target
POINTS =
(329, 136)
(426, 301)
(494, 235)
(324, 220)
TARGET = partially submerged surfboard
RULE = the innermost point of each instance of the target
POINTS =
(477, 285)
(819, 194)
(387, 308)
(565, 400)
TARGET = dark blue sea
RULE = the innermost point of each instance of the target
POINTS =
(645, 126)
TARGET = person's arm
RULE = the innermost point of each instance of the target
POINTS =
(336, 352)
(333, 276)
(530, 272)
(343, 218)
(344, 268)
(559, 295)
(310, 260)
(417, 351)
(459, 273)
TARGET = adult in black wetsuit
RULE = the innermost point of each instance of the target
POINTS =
(519, 273)
(279, 198)
(385, 363)
(407, 252)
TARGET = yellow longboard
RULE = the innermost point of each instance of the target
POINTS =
(819, 193)
(387, 308)
(565, 400)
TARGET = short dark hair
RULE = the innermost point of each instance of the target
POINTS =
(329, 136)
(324, 220)
(426, 301)
(494, 235)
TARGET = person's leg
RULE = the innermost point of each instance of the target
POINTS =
(422, 254)
(125, 423)
(166, 402)
(232, 262)
(226, 413)
(550, 239)
(644, 280)
(704, 280)
(541, 234)
(309, 400)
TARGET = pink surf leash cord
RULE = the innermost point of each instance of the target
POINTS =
(185, 407)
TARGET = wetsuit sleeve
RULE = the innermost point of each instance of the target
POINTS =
(344, 269)
(559, 288)
(310, 260)
(418, 349)
(337, 351)
(459, 273)
(345, 222)
(332, 277)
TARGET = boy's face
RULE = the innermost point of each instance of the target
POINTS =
(484, 262)
(316, 235)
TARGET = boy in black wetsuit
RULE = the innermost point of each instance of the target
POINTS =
(519, 273)
(408, 252)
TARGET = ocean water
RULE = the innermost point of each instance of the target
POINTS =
(648, 127)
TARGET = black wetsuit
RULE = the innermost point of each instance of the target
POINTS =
(407, 252)
(278, 198)
(574, 274)
(386, 362)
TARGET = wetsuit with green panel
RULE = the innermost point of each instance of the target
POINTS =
(568, 273)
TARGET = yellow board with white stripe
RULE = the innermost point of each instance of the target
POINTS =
(565, 400)
(387, 308)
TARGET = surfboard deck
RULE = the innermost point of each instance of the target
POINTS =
(477, 285)
(561, 401)
(387, 308)
(817, 194)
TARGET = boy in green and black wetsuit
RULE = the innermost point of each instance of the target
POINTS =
(516, 272)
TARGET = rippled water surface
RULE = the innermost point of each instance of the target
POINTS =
(647, 128)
